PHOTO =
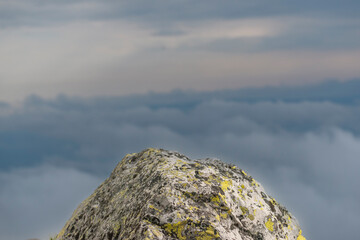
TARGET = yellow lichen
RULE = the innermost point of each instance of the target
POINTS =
(181, 161)
(223, 197)
(176, 228)
(215, 199)
(270, 225)
(193, 208)
(244, 209)
(209, 234)
(290, 223)
(223, 215)
(117, 227)
(240, 193)
(300, 237)
(151, 206)
(254, 183)
(225, 185)
(273, 201)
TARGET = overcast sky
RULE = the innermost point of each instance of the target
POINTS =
(94, 47)
(271, 86)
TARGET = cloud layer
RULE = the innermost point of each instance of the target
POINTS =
(302, 143)
(128, 47)
(35, 202)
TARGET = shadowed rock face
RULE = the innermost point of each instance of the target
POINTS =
(158, 194)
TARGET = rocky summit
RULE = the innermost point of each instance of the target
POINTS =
(159, 194)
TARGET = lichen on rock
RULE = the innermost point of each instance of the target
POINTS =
(163, 195)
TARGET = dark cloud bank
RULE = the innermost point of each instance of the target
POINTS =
(302, 143)
(333, 25)
(160, 12)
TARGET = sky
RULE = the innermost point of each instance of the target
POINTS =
(135, 46)
(271, 86)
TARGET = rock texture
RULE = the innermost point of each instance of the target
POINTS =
(158, 194)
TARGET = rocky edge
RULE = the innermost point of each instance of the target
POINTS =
(159, 194)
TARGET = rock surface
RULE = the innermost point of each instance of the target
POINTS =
(158, 194)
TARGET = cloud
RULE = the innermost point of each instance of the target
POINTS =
(4, 107)
(134, 59)
(21, 12)
(36, 202)
(302, 143)
(127, 47)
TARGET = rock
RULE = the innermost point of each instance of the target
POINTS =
(159, 194)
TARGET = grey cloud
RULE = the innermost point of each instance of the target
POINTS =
(4, 105)
(302, 143)
(332, 91)
(326, 35)
(103, 44)
(20, 13)
(169, 34)
(36, 202)
(162, 12)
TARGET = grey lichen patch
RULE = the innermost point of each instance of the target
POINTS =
(159, 194)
